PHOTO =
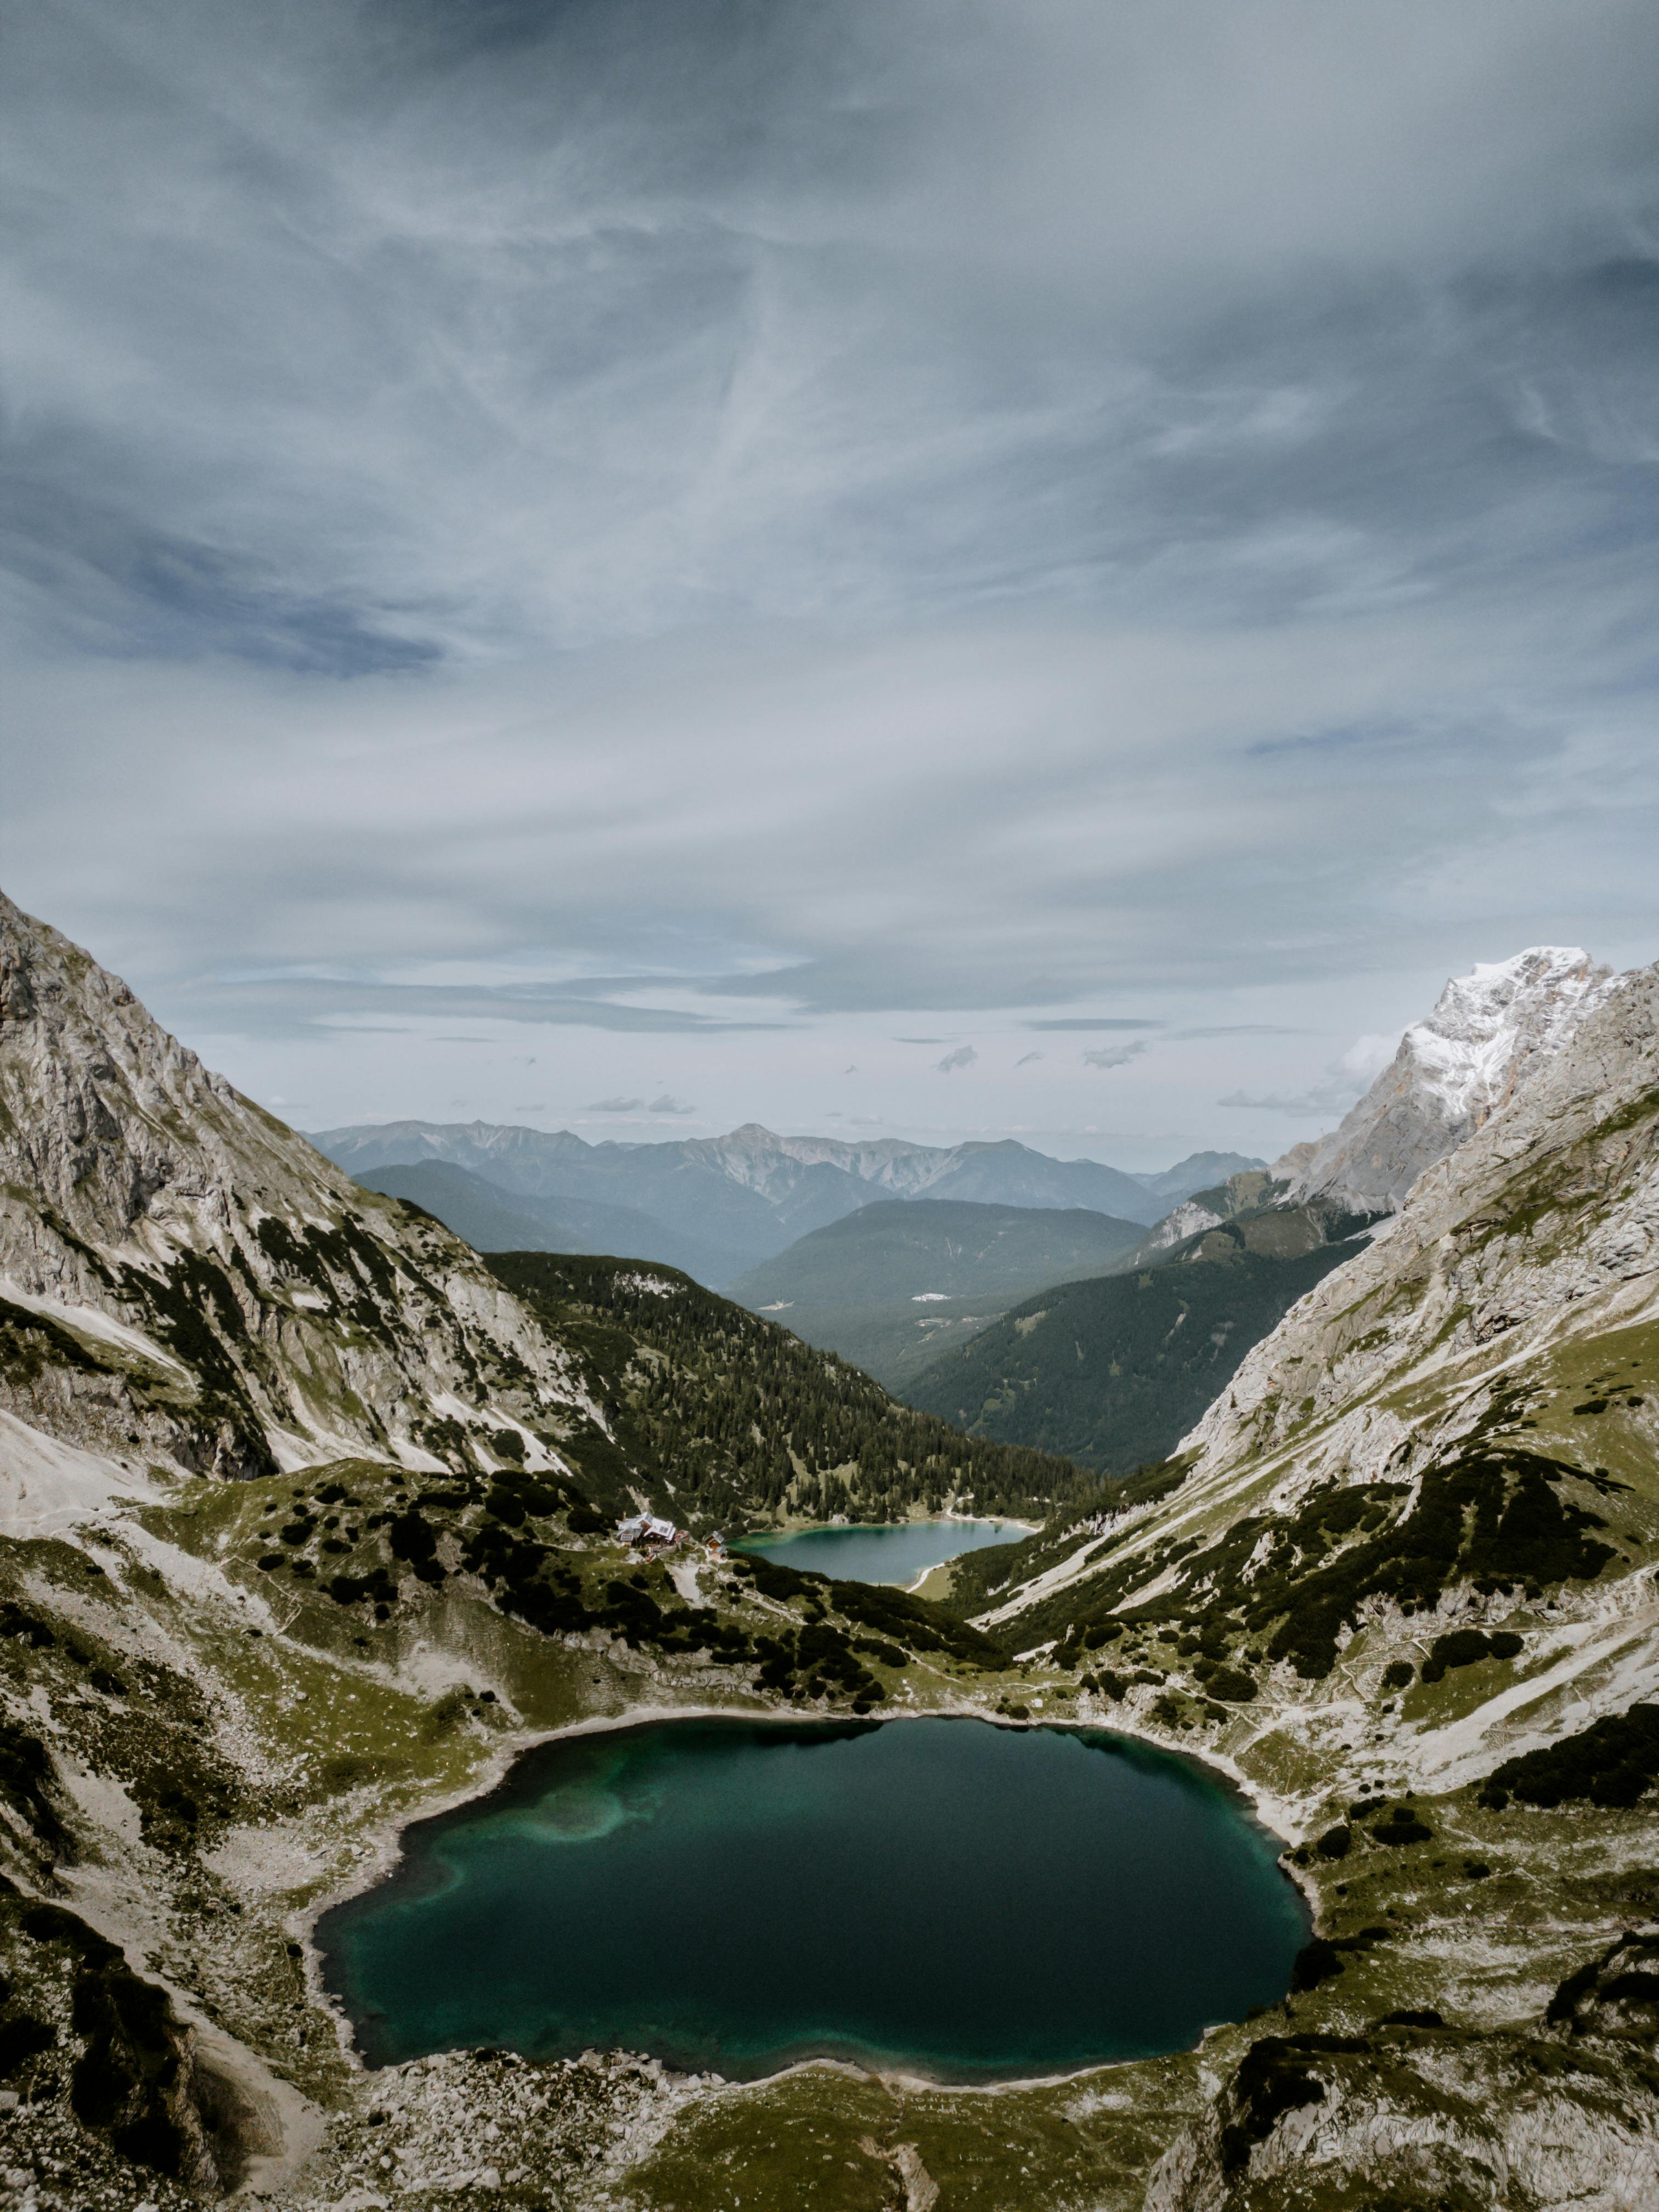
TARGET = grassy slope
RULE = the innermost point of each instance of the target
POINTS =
(255, 1680)
(1113, 1372)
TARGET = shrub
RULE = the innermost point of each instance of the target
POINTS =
(1611, 1763)
(1464, 1646)
(1402, 1827)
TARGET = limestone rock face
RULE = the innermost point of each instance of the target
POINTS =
(1489, 1033)
(183, 1277)
(1542, 1225)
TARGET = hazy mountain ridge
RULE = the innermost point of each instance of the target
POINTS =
(884, 1284)
(731, 1202)
(1121, 1364)
(493, 1220)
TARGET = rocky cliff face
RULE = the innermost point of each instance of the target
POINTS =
(184, 1279)
(1489, 1030)
(1541, 1228)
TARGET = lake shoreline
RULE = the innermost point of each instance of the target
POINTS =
(892, 1555)
(1219, 1774)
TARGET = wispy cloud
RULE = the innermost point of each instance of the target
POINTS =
(755, 526)
(964, 1056)
(1345, 1080)
(1326, 1099)
(1238, 1028)
(1089, 1021)
(1114, 1055)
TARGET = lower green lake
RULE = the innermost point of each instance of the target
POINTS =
(874, 1551)
(969, 1901)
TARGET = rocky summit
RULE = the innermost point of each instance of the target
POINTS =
(305, 1529)
(1489, 1031)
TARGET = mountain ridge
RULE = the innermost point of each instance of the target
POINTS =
(744, 1196)
(884, 1286)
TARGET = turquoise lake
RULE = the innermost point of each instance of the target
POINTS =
(967, 1901)
(896, 1551)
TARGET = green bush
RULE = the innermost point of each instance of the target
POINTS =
(1613, 1763)
(1463, 1647)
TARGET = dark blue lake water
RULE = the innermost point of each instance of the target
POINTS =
(970, 1902)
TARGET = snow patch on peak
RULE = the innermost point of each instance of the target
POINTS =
(1452, 1072)
(1475, 1046)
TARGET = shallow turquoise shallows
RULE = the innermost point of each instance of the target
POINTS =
(873, 1552)
(967, 1901)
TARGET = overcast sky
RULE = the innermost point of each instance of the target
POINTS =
(929, 567)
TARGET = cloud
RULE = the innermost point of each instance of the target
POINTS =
(615, 1106)
(964, 1056)
(667, 1104)
(1238, 1028)
(1089, 1021)
(1025, 1059)
(721, 523)
(1347, 1079)
(1366, 1058)
(1328, 1099)
(1114, 1055)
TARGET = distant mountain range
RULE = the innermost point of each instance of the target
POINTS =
(890, 1286)
(492, 1220)
(719, 1206)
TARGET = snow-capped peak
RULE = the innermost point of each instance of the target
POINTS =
(1452, 1072)
(1489, 1024)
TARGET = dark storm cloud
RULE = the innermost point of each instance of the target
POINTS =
(832, 511)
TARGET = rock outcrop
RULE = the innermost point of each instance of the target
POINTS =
(184, 1279)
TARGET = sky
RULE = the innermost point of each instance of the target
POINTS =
(944, 570)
